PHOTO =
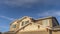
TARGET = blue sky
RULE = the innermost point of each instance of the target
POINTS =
(14, 9)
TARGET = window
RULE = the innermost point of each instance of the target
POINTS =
(45, 22)
(24, 23)
(14, 26)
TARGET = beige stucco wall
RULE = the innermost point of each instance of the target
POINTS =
(33, 27)
(30, 27)
(49, 21)
(18, 24)
(11, 26)
(55, 32)
(33, 32)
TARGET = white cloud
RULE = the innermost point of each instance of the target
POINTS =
(4, 17)
(49, 13)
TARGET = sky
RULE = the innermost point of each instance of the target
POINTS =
(14, 9)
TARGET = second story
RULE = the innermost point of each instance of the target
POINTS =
(29, 24)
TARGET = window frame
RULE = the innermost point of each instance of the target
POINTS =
(14, 26)
(24, 23)
(45, 23)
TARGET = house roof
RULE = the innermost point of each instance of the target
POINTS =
(9, 32)
(45, 18)
(14, 21)
(18, 20)
(55, 28)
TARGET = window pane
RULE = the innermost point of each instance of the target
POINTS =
(26, 22)
(22, 23)
(14, 26)
(45, 22)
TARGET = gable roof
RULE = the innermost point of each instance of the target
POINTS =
(49, 17)
(18, 20)
(55, 28)
(13, 21)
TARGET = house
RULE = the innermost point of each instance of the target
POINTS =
(28, 25)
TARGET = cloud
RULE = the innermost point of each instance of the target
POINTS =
(49, 13)
(29, 3)
(8, 18)
(18, 2)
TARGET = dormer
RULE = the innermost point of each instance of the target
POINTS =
(24, 21)
(19, 23)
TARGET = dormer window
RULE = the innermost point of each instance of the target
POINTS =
(14, 26)
(24, 23)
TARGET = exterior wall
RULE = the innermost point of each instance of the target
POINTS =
(49, 21)
(30, 27)
(18, 25)
(34, 32)
(39, 22)
(33, 27)
(56, 32)
(11, 26)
